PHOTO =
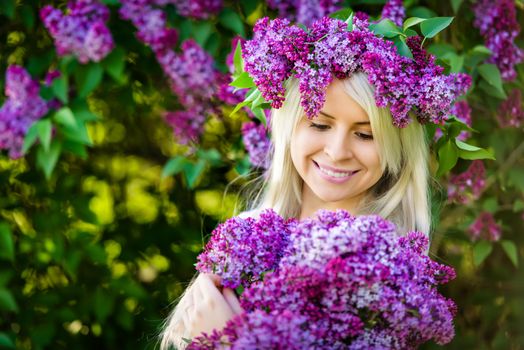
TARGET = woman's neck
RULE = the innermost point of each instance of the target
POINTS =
(311, 204)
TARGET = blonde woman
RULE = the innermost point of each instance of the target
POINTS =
(334, 148)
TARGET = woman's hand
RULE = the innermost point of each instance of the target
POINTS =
(210, 306)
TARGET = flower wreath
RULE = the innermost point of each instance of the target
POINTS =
(407, 82)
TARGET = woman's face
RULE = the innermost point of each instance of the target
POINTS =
(335, 153)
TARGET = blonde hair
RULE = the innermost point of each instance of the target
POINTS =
(401, 195)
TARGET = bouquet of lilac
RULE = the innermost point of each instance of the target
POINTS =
(333, 282)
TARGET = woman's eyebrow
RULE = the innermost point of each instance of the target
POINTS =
(357, 123)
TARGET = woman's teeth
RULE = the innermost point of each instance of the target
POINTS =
(335, 174)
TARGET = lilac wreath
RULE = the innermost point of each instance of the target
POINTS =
(330, 48)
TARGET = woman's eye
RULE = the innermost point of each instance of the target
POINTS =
(319, 126)
(364, 136)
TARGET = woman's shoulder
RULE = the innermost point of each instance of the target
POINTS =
(254, 213)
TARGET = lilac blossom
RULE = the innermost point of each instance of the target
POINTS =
(198, 9)
(511, 113)
(467, 186)
(304, 11)
(81, 32)
(187, 125)
(485, 227)
(497, 22)
(20, 110)
(341, 282)
(240, 250)
(394, 10)
(191, 73)
(279, 51)
(150, 23)
(257, 143)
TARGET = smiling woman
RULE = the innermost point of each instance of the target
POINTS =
(348, 157)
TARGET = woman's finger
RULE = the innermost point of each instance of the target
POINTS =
(232, 300)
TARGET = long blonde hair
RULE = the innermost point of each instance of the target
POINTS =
(401, 195)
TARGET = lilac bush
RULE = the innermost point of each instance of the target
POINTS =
(467, 186)
(511, 113)
(20, 110)
(485, 227)
(304, 11)
(257, 144)
(497, 22)
(348, 282)
(82, 31)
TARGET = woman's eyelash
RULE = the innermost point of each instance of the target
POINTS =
(364, 136)
(319, 126)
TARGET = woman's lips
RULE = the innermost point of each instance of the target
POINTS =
(334, 175)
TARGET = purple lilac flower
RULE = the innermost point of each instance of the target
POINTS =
(497, 22)
(191, 73)
(511, 113)
(257, 143)
(304, 11)
(394, 10)
(187, 125)
(485, 227)
(150, 23)
(198, 9)
(240, 250)
(341, 283)
(81, 32)
(280, 50)
(467, 186)
(259, 330)
(21, 109)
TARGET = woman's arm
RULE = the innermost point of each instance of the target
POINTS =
(203, 307)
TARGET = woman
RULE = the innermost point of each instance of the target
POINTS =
(349, 155)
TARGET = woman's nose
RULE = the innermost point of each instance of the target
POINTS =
(338, 147)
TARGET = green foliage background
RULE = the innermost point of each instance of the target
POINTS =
(96, 243)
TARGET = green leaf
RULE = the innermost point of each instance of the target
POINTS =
(78, 134)
(114, 64)
(201, 32)
(349, 22)
(45, 131)
(5, 341)
(65, 117)
(386, 28)
(490, 204)
(511, 251)
(492, 91)
(342, 15)
(433, 26)
(491, 74)
(46, 160)
(8, 8)
(231, 20)
(448, 156)
(30, 138)
(456, 62)
(243, 81)
(260, 115)
(76, 148)
(455, 5)
(237, 59)
(103, 304)
(402, 47)
(481, 50)
(412, 21)
(173, 166)
(60, 88)
(518, 205)
(88, 78)
(239, 106)
(470, 152)
(481, 250)
(421, 11)
(193, 171)
(212, 156)
(7, 301)
(7, 246)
